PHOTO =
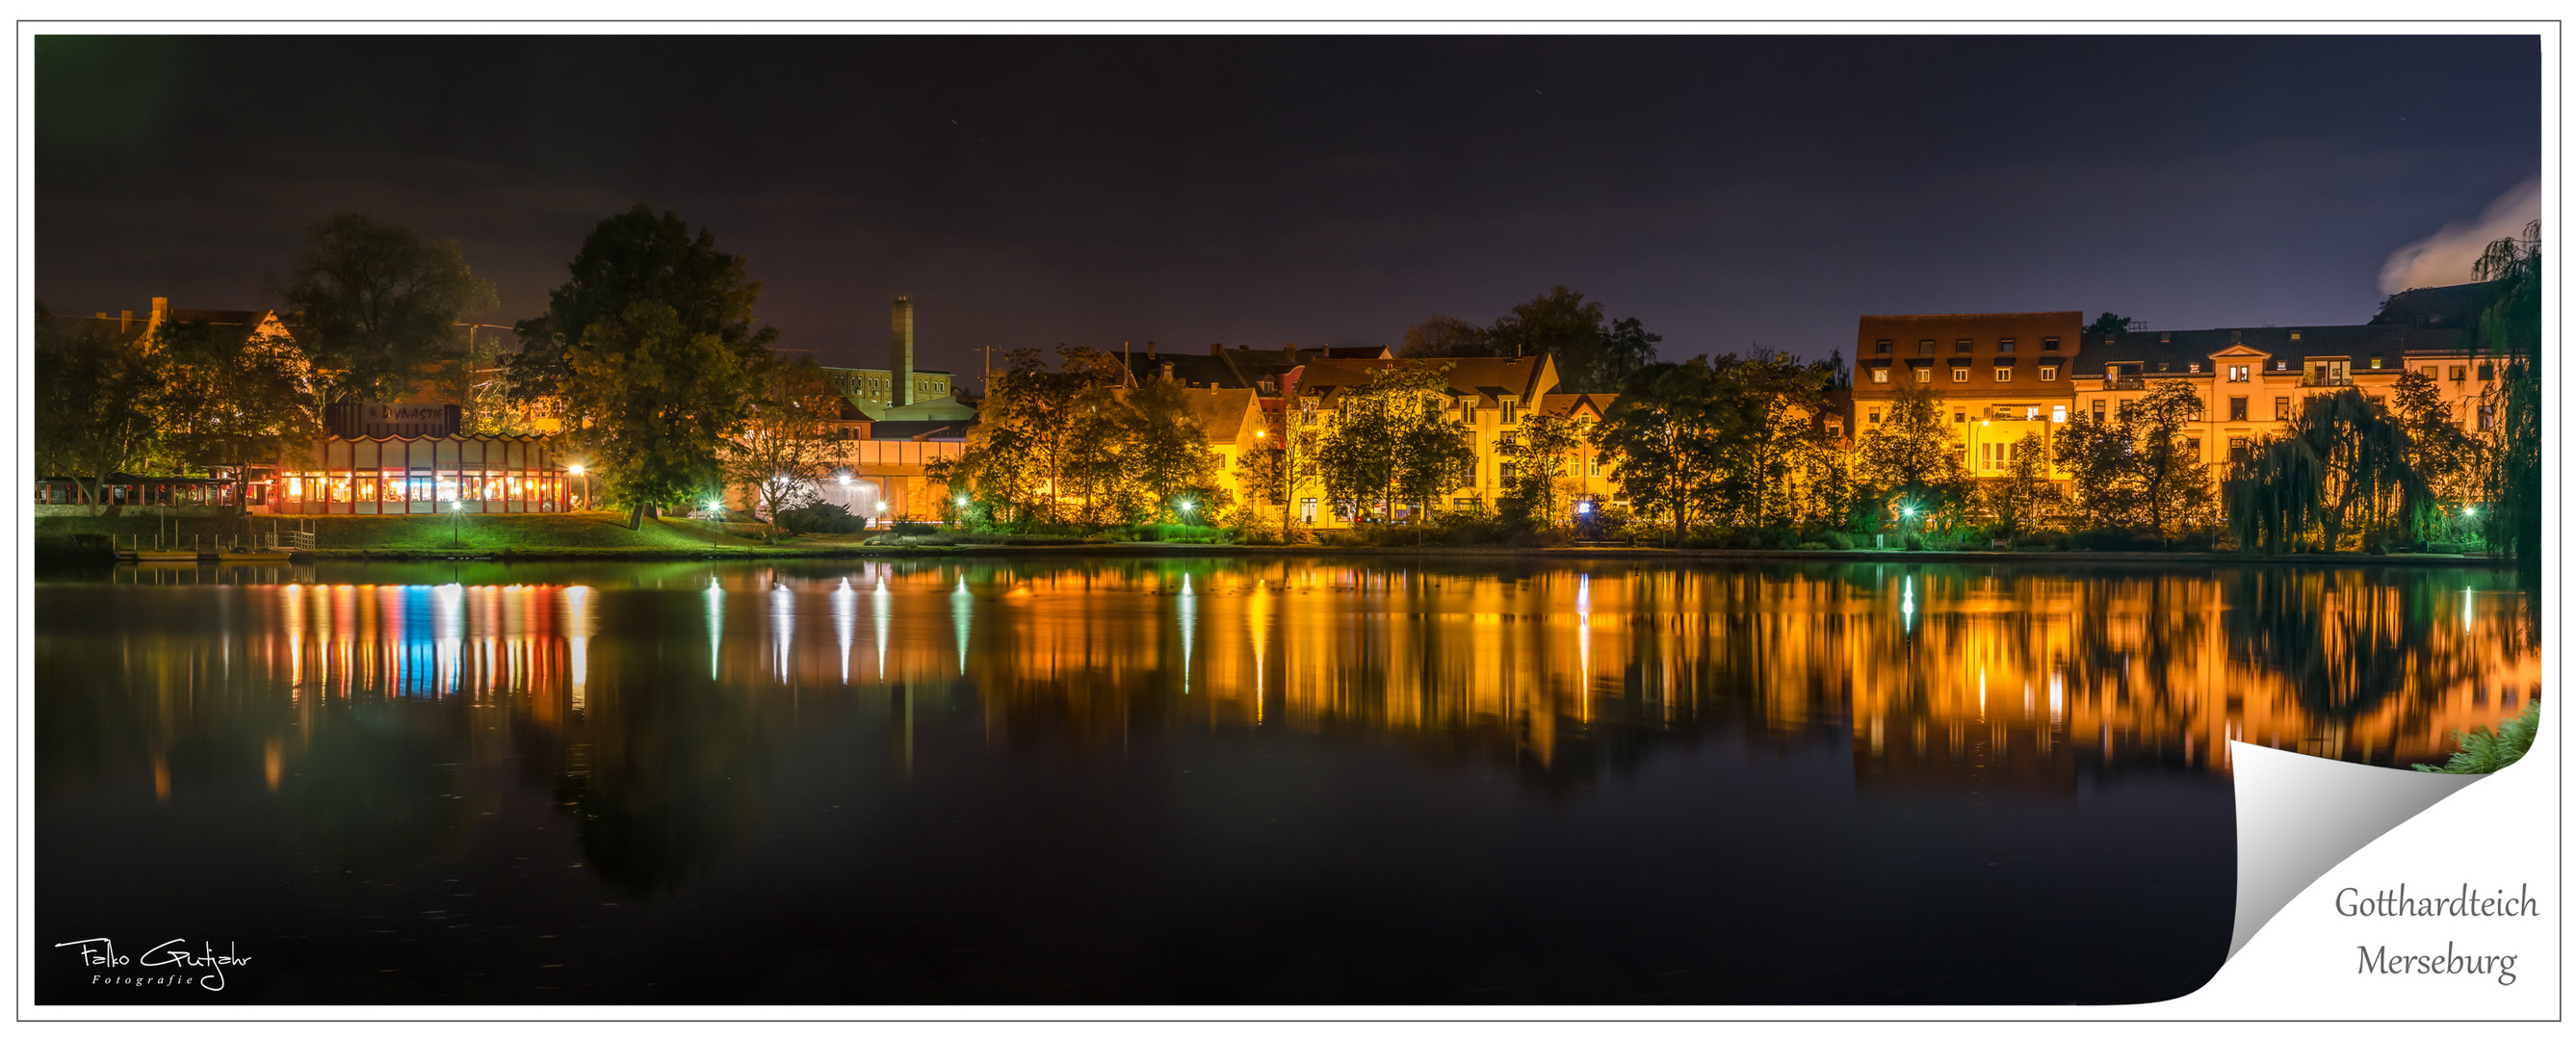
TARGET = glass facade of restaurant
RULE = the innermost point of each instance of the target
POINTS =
(374, 476)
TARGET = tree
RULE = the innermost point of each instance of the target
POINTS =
(1593, 354)
(376, 307)
(2510, 330)
(1444, 336)
(2345, 467)
(1913, 455)
(1666, 433)
(658, 405)
(787, 432)
(1781, 452)
(2024, 492)
(233, 396)
(633, 257)
(1166, 454)
(98, 401)
(1387, 442)
(2140, 468)
(1046, 437)
(1536, 495)
(2109, 324)
(2451, 463)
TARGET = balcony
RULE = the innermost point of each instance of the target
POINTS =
(2124, 383)
(2326, 379)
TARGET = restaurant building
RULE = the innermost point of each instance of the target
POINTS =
(430, 466)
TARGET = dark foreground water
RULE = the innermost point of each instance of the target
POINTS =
(1200, 781)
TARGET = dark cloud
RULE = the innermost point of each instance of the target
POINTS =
(1262, 190)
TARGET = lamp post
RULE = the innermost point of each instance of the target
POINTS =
(1903, 513)
(715, 513)
(455, 516)
(1186, 506)
(576, 470)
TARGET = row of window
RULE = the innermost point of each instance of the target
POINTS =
(1964, 346)
(1959, 374)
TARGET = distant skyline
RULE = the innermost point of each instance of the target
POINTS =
(1028, 191)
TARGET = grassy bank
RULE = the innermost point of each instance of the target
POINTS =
(603, 535)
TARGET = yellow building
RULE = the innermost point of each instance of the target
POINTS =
(1488, 397)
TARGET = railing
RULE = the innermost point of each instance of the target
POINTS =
(2325, 379)
(2125, 383)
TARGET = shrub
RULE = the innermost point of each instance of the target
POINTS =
(2482, 751)
(819, 518)
(2114, 539)
(1836, 540)
(915, 527)
(1914, 543)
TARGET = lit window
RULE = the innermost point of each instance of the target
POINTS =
(2486, 417)
(2195, 366)
(1878, 375)
(2057, 414)
(1958, 375)
(2459, 373)
(2237, 374)
(2003, 375)
(1922, 375)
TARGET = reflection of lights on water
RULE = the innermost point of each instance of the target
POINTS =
(2468, 609)
(881, 603)
(961, 611)
(1583, 644)
(845, 622)
(1189, 629)
(715, 626)
(2056, 698)
(1906, 606)
(782, 617)
(577, 624)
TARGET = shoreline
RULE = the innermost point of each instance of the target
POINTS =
(1170, 549)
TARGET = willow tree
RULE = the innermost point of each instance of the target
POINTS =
(2345, 468)
(2510, 329)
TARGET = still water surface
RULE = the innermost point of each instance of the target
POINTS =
(1203, 781)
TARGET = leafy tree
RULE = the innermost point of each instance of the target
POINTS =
(2137, 468)
(233, 396)
(2110, 323)
(1666, 432)
(1387, 442)
(1046, 448)
(633, 257)
(2451, 463)
(1165, 454)
(787, 436)
(658, 405)
(1593, 354)
(1913, 455)
(98, 402)
(1781, 452)
(1444, 336)
(2024, 493)
(376, 307)
(1537, 495)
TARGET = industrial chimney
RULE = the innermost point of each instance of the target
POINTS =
(902, 343)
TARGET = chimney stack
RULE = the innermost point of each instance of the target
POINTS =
(160, 309)
(902, 348)
(124, 322)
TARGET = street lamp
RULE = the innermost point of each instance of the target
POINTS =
(715, 511)
(1186, 506)
(577, 471)
(455, 516)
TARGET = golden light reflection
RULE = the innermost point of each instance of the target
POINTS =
(1913, 668)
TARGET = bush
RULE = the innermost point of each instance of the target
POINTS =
(819, 518)
(1836, 540)
(1913, 543)
(916, 527)
(2114, 539)
(2482, 751)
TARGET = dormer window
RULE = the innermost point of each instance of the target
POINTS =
(1887, 346)
(1964, 346)
(2048, 344)
(2004, 347)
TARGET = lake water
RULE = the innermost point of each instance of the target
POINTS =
(1217, 780)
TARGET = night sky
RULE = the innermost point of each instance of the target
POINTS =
(1030, 191)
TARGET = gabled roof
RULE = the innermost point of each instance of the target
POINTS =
(1569, 404)
(2441, 307)
(921, 430)
(1223, 413)
(1485, 379)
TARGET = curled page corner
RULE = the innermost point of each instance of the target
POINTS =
(2299, 815)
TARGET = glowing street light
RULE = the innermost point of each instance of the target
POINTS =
(1186, 506)
(455, 516)
(576, 470)
(715, 508)
(2469, 511)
